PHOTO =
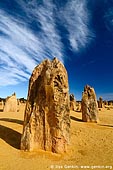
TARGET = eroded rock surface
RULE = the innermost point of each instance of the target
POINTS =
(72, 102)
(47, 119)
(89, 105)
(11, 104)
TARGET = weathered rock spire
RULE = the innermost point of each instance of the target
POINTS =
(47, 120)
(89, 105)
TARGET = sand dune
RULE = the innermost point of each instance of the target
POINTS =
(91, 145)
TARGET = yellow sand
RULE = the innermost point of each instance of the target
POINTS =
(91, 145)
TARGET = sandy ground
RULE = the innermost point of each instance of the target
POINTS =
(91, 145)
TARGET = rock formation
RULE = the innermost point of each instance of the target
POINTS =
(1, 105)
(72, 102)
(89, 105)
(100, 102)
(47, 119)
(105, 103)
(78, 106)
(110, 103)
(11, 104)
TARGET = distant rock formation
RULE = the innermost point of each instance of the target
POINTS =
(1, 105)
(100, 102)
(47, 115)
(105, 102)
(110, 102)
(22, 100)
(78, 106)
(11, 104)
(89, 105)
(72, 102)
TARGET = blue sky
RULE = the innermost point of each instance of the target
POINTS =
(78, 32)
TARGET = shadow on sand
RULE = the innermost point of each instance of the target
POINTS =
(76, 119)
(106, 125)
(10, 136)
(12, 120)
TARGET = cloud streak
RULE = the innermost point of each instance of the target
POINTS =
(13, 43)
(22, 48)
(76, 19)
(49, 36)
(108, 19)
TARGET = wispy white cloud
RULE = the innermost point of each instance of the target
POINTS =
(74, 16)
(76, 19)
(13, 42)
(108, 18)
(49, 36)
(21, 49)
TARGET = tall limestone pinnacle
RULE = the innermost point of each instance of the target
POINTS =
(89, 105)
(47, 115)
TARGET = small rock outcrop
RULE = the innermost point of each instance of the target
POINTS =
(89, 105)
(100, 102)
(1, 105)
(78, 106)
(11, 104)
(47, 113)
(72, 102)
(105, 103)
